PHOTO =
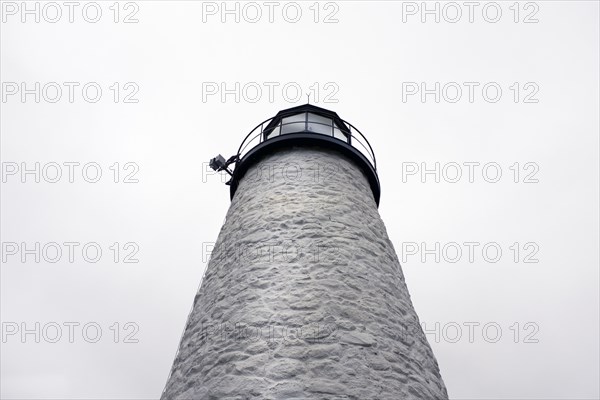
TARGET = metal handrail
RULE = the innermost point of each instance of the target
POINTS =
(248, 135)
(372, 153)
(369, 153)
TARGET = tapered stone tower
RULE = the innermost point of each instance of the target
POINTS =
(303, 296)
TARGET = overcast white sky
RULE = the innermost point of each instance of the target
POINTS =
(368, 66)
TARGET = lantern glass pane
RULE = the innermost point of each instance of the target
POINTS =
(274, 132)
(338, 134)
(320, 124)
(294, 123)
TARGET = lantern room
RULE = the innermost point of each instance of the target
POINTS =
(305, 125)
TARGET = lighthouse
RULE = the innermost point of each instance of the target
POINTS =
(304, 296)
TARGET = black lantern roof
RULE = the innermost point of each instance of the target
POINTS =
(305, 125)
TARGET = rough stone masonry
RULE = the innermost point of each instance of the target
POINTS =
(304, 297)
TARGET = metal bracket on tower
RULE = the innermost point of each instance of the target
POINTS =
(219, 164)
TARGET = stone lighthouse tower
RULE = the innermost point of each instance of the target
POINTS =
(304, 296)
